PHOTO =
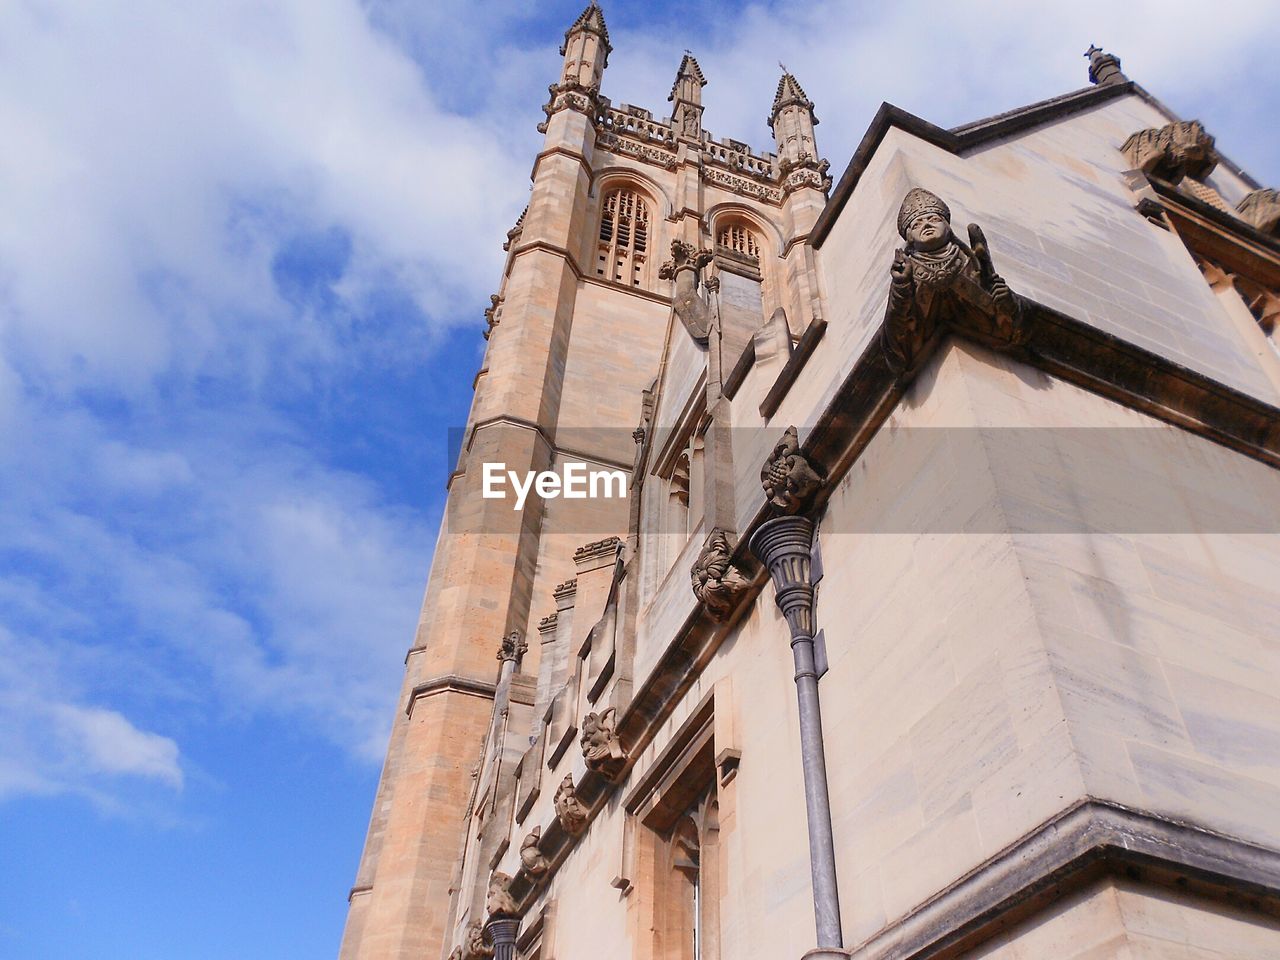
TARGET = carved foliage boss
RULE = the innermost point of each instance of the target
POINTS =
(716, 581)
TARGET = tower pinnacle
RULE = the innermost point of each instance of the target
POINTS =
(586, 52)
(686, 94)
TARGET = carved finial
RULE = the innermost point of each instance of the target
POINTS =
(1104, 68)
(787, 477)
(499, 902)
(532, 858)
(601, 748)
(512, 647)
(716, 581)
(569, 810)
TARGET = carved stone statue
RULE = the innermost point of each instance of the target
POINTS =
(787, 477)
(475, 947)
(937, 280)
(1176, 150)
(513, 647)
(1261, 208)
(684, 268)
(569, 810)
(601, 747)
(716, 581)
(531, 856)
(498, 901)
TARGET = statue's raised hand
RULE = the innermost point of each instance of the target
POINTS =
(901, 268)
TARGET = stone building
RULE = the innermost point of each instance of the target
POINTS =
(1006, 496)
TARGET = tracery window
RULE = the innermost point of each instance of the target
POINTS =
(622, 253)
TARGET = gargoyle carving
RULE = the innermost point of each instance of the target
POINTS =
(569, 809)
(475, 947)
(716, 581)
(601, 747)
(939, 281)
(513, 646)
(787, 477)
(531, 856)
(685, 268)
(1176, 150)
(499, 902)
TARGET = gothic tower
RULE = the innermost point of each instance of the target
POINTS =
(978, 454)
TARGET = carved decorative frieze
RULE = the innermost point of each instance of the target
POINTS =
(937, 282)
(601, 748)
(787, 477)
(498, 901)
(717, 583)
(1176, 150)
(532, 859)
(640, 151)
(1261, 209)
(742, 185)
(569, 809)
(548, 622)
(571, 94)
(812, 174)
(512, 647)
(565, 589)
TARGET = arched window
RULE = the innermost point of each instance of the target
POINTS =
(622, 255)
(738, 239)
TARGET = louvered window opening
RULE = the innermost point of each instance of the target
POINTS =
(624, 238)
(738, 239)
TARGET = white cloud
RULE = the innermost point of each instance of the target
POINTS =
(106, 741)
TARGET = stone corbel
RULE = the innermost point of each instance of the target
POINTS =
(717, 583)
(532, 859)
(1261, 210)
(941, 284)
(601, 748)
(789, 480)
(569, 809)
(1176, 150)
(684, 269)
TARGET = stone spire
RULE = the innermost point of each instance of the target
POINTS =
(1104, 68)
(686, 94)
(586, 49)
(586, 52)
(793, 121)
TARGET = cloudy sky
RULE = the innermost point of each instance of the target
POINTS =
(245, 247)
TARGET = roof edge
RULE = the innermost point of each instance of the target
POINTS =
(960, 139)
(969, 136)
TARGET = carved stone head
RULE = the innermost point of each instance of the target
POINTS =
(499, 902)
(924, 220)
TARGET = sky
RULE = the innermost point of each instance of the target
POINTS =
(245, 249)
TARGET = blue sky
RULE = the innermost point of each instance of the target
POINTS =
(245, 248)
